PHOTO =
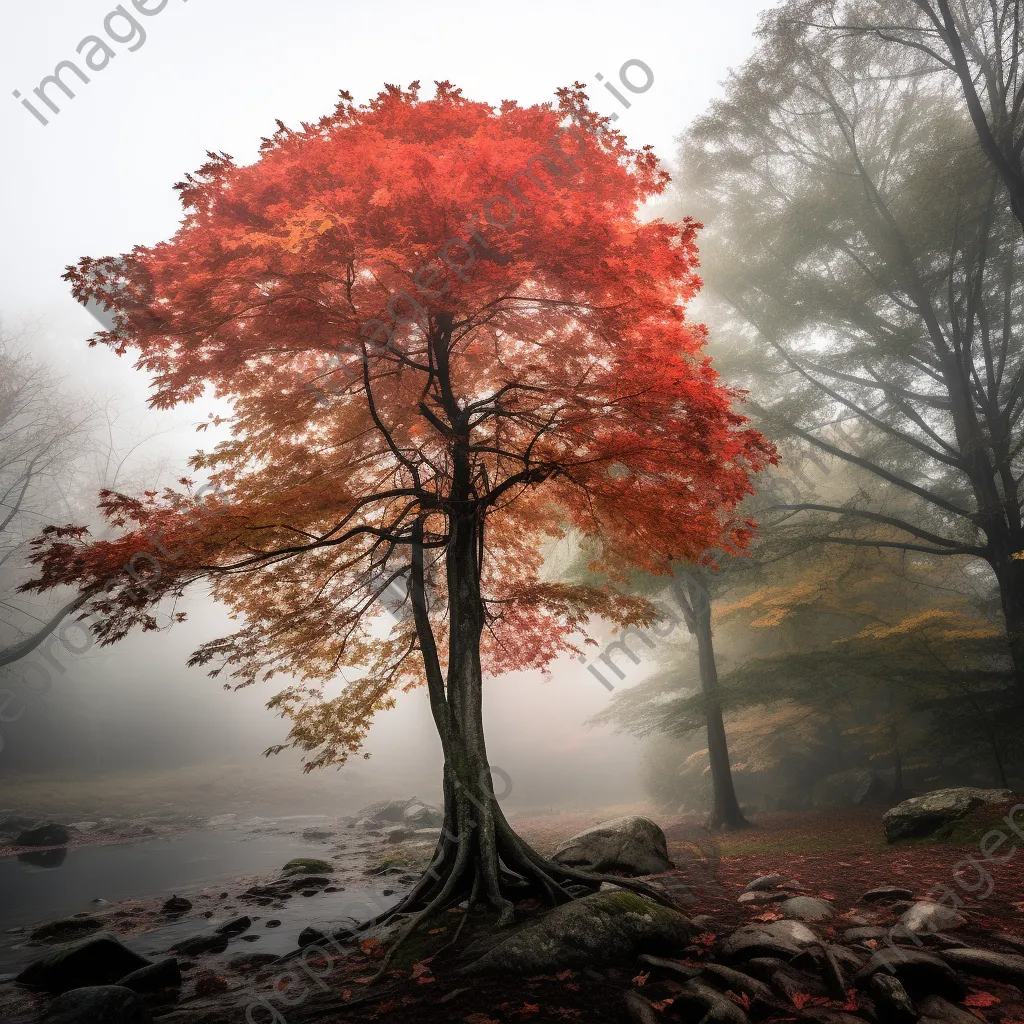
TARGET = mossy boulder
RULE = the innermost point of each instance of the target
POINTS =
(99, 960)
(308, 866)
(604, 927)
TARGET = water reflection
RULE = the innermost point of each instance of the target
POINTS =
(44, 858)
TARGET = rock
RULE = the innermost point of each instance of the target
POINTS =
(310, 935)
(594, 929)
(99, 960)
(273, 923)
(1006, 967)
(317, 835)
(886, 893)
(398, 834)
(847, 957)
(195, 945)
(923, 815)
(163, 974)
(418, 815)
(43, 835)
(821, 1015)
(767, 940)
(177, 905)
(935, 1008)
(235, 926)
(807, 908)
(891, 999)
(931, 917)
(756, 896)
(672, 968)
(630, 844)
(83, 826)
(308, 866)
(210, 984)
(763, 882)
(103, 1004)
(919, 973)
(864, 932)
(1007, 939)
(385, 810)
(847, 789)
(245, 963)
(66, 929)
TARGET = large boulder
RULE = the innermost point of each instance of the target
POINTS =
(847, 789)
(43, 835)
(781, 939)
(100, 960)
(926, 917)
(602, 928)
(102, 1004)
(923, 815)
(631, 844)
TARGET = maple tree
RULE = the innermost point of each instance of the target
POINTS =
(446, 337)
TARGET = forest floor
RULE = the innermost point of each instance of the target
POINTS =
(835, 856)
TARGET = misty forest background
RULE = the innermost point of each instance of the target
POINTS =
(861, 189)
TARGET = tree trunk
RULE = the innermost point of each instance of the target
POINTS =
(1010, 575)
(726, 811)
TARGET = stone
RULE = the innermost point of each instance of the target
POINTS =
(1005, 967)
(177, 905)
(98, 960)
(767, 940)
(163, 974)
(594, 929)
(923, 815)
(102, 1004)
(807, 908)
(847, 789)
(863, 933)
(419, 815)
(672, 968)
(43, 835)
(235, 926)
(717, 1007)
(317, 835)
(308, 866)
(763, 882)
(398, 834)
(919, 973)
(886, 893)
(891, 998)
(196, 945)
(83, 826)
(756, 896)
(631, 844)
(310, 935)
(66, 929)
(931, 917)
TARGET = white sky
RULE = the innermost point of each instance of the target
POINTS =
(214, 75)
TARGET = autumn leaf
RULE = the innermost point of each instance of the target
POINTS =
(706, 938)
(664, 1004)
(369, 945)
(800, 999)
(768, 915)
(528, 1008)
(479, 1018)
(565, 975)
(980, 1000)
(741, 1000)
(436, 931)
(641, 979)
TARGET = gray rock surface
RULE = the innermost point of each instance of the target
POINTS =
(43, 835)
(600, 928)
(104, 1004)
(1007, 967)
(632, 844)
(99, 960)
(163, 974)
(927, 917)
(923, 815)
(806, 908)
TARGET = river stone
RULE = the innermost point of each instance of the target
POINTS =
(982, 963)
(931, 917)
(807, 908)
(99, 960)
(762, 882)
(308, 866)
(177, 905)
(756, 896)
(864, 932)
(102, 1004)
(606, 926)
(420, 815)
(768, 940)
(43, 835)
(630, 844)
(891, 998)
(196, 945)
(885, 893)
(922, 815)
(398, 834)
(163, 974)
(847, 789)
(235, 926)
(919, 973)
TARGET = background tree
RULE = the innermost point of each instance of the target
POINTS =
(499, 353)
(861, 248)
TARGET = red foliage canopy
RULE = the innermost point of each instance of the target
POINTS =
(417, 309)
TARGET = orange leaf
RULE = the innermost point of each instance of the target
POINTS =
(981, 999)
(800, 999)
(641, 979)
